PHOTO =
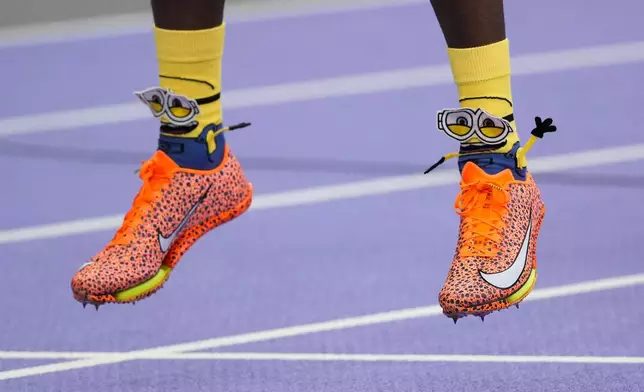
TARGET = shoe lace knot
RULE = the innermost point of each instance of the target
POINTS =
(483, 207)
(154, 177)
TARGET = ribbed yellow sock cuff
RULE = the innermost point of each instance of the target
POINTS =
(190, 46)
(479, 64)
(190, 65)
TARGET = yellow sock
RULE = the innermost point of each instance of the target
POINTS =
(190, 65)
(482, 76)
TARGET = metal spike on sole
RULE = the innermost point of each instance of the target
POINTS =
(517, 305)
(455, 319)
(84, 305)
(482, 318)
(96, 306)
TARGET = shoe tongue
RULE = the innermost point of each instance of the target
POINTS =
(471, 172)
(163, 161)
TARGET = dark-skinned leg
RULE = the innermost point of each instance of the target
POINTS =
(470, 23)
(479, 54)
(189, 37)
(188, 14)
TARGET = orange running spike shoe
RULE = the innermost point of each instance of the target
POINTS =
(495, 264)
(173, 209)
(501, 213)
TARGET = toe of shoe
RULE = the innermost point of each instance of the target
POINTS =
(106, 277)
(468, 294)
(455, 300)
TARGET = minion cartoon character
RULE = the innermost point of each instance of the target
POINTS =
(179, 118)
(474, 128)
(176, 112)
(480, 132)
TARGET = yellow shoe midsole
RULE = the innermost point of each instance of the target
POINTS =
(525, 289)
(145, 287)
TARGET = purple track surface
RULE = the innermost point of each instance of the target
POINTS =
(290, 266)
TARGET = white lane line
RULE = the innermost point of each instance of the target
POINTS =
(306, 329)
(55, 354)
(141, 22)
(333, 357)
(375, 82)
(352, 190)
(408, 358)
(327, 357)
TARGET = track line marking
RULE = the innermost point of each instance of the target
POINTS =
(367, 83)
(410, 358)
(55, 354)
(352, 190)
(333, 357)
(306, 329)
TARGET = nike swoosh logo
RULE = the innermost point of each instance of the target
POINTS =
(509, 277)
(165, 242)
(85, 265)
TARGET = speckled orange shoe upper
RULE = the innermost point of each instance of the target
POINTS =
(174, 208)
(496, 249)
